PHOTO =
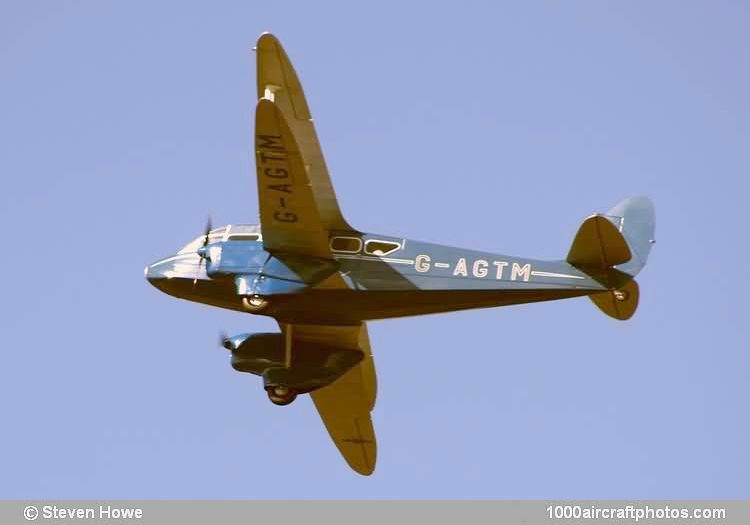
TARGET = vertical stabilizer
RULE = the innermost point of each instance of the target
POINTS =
(637, 222)
(613, 247)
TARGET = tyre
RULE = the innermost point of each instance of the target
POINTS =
(281, 395)
(254, 303)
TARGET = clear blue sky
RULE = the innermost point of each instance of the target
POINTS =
(494, 126)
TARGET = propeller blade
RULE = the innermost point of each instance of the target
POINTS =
(202, 252)
(207, 230)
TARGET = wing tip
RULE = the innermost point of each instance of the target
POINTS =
(364, 472)
(267, 39)
(366, 466)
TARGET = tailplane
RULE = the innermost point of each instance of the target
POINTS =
(613, 247)
(620, 303)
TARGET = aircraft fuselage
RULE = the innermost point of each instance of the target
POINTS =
(384, 277)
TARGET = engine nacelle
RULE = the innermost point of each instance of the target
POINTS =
(313, 365)
(255, 352)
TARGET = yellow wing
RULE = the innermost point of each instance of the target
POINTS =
(289, 216)
(278, 82)
(285, 130)
(345, 405)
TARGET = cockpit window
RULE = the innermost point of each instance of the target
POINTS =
(346, 244)
(380, 248)
(237, 232)
(213, 236)
(216, 235)
(243, 237)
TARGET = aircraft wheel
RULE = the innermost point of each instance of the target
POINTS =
(254, 303)
(281, 395)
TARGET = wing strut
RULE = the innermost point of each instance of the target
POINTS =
(288, 345)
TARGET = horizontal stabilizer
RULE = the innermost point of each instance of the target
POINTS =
(598, 244)
(619, 304)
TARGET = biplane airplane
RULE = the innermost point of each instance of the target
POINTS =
(321, 279)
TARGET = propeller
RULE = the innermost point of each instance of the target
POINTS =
(202, 253)
(207, 230)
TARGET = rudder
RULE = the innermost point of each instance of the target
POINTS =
(637, 222)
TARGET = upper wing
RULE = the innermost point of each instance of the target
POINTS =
(345, 405)
(278, 82)
(289, 217)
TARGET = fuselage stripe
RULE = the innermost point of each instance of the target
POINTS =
(385, 259)
(553, 274)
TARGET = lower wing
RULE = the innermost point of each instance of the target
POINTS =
(345, 405)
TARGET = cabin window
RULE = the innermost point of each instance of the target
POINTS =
(381, 248)
(346, 244)
(243, 237)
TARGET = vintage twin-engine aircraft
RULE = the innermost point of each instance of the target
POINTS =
(321, 279)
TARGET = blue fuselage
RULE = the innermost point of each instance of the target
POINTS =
(369, 277)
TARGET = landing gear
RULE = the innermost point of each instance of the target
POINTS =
(281, 395)
(254, 303)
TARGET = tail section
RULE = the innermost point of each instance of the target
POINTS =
(598, 245)
(620, 303)
(613, 248)
(637, 222)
